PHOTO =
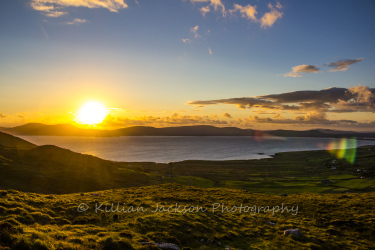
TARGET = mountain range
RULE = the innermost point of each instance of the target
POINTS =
(200, 130)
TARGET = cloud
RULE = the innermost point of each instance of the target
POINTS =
(77, 21)
(297, 71)
(52, 8)
(342, 65)
(269, 18)
(336, 100)
(194, 30)
(172, 120)
(204, 10)
(217, 5)
(210, 51)
(226, 115)
(250, 12)
(2, 115)
(247, 11)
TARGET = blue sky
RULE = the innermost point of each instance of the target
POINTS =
(149, 58)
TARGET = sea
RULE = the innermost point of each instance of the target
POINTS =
(163, 149)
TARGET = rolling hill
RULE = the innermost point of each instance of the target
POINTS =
(200, 130)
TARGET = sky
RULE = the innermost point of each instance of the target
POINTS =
(250, 64)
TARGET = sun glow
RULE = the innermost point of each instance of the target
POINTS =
(91, 113)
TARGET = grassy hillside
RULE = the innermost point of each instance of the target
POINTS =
(53, 170)
(14, 142)
(329, 221)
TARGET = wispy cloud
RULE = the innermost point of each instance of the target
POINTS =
(247, 11)
(2, 115)
(210, 51)
(342, 65)
(54, 8)
(194, 30)
(297, 71)
(204, 10)
(217, 5)
(77, 21)
(196, 35)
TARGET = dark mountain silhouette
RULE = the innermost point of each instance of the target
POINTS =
(200, 130)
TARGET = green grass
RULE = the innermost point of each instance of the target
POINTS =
(354, 183)
(327, 221)
(335, 207)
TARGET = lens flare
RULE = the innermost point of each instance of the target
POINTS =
(344, 149)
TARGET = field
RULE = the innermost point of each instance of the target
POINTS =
(329, 221)
(53, 198)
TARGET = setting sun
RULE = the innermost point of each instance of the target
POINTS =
(92, 112)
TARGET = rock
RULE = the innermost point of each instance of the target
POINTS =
(283, 195)
(296, 232)
(271, 223)
(167, 246)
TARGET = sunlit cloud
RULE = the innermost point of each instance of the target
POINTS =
(299, 70)
(186, 40)
(77, 21)
(269, 18)
(161, 121)
(204, 10)
(343, 65)
(217, 5)
(210, 51)
(194, 30)
(334, 100)
(227, 115)
(53, 8)
(247, 11)
(196, 35)
(2, 115)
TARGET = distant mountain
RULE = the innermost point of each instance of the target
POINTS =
(14, 142)
(201, 130)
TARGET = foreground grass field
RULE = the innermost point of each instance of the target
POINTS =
(67, 200)
(327, 221)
